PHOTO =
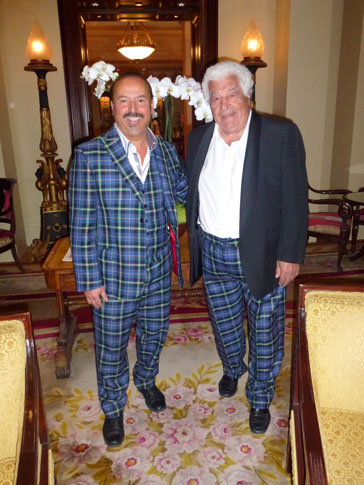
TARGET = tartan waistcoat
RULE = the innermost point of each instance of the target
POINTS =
(155, 236)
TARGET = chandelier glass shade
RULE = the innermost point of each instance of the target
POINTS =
(136, 44)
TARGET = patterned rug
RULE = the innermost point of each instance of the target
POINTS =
(200, 439)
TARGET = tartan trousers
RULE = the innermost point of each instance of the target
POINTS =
(228, 296)
(112, 327)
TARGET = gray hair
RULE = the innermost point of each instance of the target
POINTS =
(224, 69)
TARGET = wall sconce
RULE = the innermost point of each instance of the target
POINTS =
(51, 177)
(252, 48)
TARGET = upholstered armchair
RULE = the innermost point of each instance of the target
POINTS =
(358, 220)
(327, 406)
(25, 454)
(7, 220)
(333, 225)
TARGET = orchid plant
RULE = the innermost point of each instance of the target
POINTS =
(184, 88)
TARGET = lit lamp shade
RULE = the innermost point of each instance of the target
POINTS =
(136, 52)
(252, 45)
(38, 46)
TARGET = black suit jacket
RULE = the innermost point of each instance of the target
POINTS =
(274, 199)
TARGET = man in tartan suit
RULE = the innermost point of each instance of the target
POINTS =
(124, 186)
(247, 215)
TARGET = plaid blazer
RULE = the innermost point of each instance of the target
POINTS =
(106, 208)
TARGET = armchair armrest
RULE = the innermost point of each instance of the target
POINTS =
(33, 460)
(310, 428)
(344, 208)
(330, 191)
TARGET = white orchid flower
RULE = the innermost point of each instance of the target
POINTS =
(85, 74)
(196, 86)
(196, 99)
(159, 90)
(152, 80)
(181, 82)
(184, 88)
(94, 71)
(174, 90)
(203, 112)
(100, 88)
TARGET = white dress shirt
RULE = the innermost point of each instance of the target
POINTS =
(141, 169)
(220, 185)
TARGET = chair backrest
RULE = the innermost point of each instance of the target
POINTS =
(335, 339)
(6, 200)
(327, 378)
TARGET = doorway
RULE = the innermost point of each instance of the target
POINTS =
(195, 18)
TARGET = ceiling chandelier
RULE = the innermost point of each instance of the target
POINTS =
(136, 44)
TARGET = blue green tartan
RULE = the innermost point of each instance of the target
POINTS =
(228, 296)
(112, 326)
(120, 240)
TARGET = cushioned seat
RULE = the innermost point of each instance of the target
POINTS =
(12, 390)
(343, 445)
(25, 455)
(327, 420)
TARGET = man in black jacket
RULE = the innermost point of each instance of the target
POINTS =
(247, 215)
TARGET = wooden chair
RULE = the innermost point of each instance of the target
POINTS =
(334, 225)
(26, 456)
(358, 220)
(327, 405)
(7, 217)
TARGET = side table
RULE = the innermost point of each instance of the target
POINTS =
(59, 276)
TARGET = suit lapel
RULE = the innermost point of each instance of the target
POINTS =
(118, 156)
(250, 172)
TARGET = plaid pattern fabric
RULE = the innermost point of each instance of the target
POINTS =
(107, 213)
(119, 239)
(151, 313)
(228, 296)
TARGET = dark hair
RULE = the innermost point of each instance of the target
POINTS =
(126, 75)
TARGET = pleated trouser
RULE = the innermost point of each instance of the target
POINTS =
(228, 297)
(112, 327)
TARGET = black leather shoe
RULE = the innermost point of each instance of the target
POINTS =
(259, 420)
(227, 386)
(113, 431)
(154, 399)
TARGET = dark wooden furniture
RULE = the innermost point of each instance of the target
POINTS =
(356, 200)
(59, 276)
(330, 225)
(7, 217)
(308, 456)
(34, 462)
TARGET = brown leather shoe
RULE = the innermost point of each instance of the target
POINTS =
(228, 386)
(113, 431)
(154, 399)
(259, 420)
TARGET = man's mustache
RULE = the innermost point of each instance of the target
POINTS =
(134, 115)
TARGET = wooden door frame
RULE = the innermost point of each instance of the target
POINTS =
(74, 50)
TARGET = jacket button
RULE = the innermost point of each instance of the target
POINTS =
(141, 220)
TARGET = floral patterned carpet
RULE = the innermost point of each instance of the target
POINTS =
(200, 439)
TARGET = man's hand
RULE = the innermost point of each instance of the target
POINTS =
(93, 296)
(286, 272)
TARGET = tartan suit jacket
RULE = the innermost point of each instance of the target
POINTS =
(107, 237)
